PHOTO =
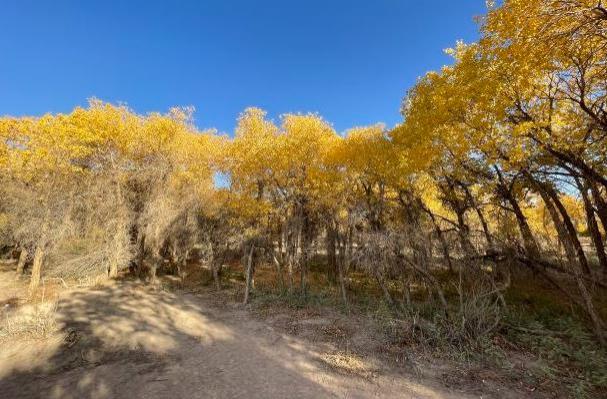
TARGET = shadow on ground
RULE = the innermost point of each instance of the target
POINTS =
(128, 340)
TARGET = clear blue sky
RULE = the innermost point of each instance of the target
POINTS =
(351, 61)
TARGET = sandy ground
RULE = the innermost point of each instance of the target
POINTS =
(128, 340)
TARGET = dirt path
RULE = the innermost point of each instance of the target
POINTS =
(129, 341)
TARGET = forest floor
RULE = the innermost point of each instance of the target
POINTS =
(127, 339)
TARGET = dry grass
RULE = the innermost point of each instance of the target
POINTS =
(89, 281)
(29, 322)
(348, 363)
(25, 317)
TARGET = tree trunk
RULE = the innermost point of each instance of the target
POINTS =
(36, 269)
(597, 322)
(293, 239)
(463, 232)
(331, 254)
(481, 217)
(303, 275)
(281, 241)
(21, 263)
(279, 275)
(215, 265)
(303, 259)
(181, 268)
(113, 271)
(216, 279)
(569, 158)
(593, 228)
(406, 291)
(249, 275)
(443, 242)
(349, 250)
(141, 255)
(559, 226)
(342, 278)
(531, 246)
(384, 289)
(570, 229)
(290, 273)
(484, 225)
(288, 258)
(432, 280)
(601, 205)
(152, 271)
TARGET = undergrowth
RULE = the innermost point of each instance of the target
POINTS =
(532, 340)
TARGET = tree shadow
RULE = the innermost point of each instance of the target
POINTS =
(129, 340)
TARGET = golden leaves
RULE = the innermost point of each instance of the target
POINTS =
(104, 136)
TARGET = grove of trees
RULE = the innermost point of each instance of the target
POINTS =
(497, 173)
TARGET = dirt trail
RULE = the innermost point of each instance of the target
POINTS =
(126, 340)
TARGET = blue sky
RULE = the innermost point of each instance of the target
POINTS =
(351, 61)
